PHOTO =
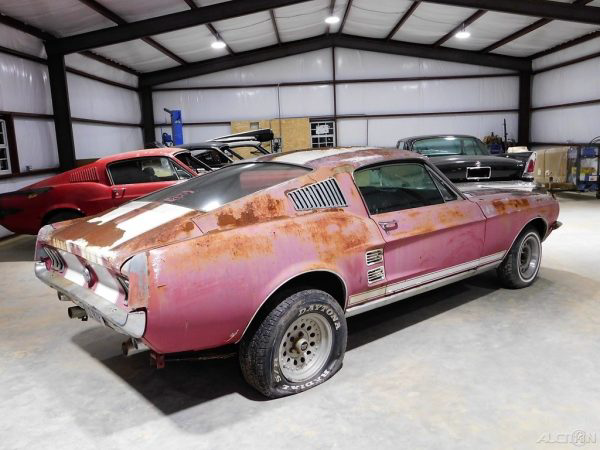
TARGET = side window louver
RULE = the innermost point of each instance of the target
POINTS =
(324, 194)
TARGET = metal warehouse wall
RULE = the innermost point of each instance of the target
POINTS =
(566, 100)
(374, 104)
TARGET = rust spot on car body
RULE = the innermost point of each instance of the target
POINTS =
(261, 208)
(506, 206)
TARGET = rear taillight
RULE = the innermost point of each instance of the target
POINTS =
(530, 166)
(51, 257)
(124, 282)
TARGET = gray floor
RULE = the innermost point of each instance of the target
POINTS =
(468, 366)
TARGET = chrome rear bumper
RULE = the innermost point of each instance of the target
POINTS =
(130, 323)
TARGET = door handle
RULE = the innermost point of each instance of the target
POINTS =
(118, 193)
(389, 225)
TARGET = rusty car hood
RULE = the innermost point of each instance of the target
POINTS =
(112, 237)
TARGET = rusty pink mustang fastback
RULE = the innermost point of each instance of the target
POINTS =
(270, 256)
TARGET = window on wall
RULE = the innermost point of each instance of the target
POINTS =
(4, 153)
(322, 133)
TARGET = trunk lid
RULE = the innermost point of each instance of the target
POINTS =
(460, 168)
(112, 237)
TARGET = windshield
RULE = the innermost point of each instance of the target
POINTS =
(192, 162)
(450, 145)
(211, 157)
(210, 191)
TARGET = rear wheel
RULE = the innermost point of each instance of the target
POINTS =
(522, 263)
(299, 344)
(61, 216)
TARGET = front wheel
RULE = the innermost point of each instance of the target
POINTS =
(298, 345)
(522, 263)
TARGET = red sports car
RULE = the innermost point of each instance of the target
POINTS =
(95, 187)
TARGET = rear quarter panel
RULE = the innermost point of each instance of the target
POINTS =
(205, 291)
(508, 213)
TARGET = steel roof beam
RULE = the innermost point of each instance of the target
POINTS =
(163, 24)
(333, 40)
(545, 9)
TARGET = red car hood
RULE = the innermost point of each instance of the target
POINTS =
(112, 237)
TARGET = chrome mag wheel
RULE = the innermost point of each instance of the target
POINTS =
(529, 257)
(305, 347)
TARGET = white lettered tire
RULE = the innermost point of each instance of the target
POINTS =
(298, 345)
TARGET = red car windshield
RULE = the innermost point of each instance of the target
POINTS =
(222, 186)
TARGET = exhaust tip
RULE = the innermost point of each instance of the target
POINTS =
(77, 312)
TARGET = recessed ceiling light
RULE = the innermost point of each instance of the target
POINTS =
(218, 45)
(463, 33)
(332, 19)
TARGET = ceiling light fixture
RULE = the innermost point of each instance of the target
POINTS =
(463, 33)
(218, 45)
(332, 20)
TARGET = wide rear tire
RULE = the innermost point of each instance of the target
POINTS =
(299, 345)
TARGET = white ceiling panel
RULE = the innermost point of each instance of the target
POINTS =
(430, 21)
(247, 32)
(490, 28)
(307, 19)
(138, 55)
(191, 44)
(133, 11)
(60, 17)
(375, 19)
(89, 65)
(554, 33)
(23, 42)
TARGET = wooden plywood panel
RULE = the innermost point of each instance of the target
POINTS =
(295, 133)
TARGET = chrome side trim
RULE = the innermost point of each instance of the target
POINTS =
(130, 323)
(364, 307)
(426, 279)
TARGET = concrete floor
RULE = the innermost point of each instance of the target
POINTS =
(471, 365)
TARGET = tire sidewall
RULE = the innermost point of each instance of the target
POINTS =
(522, 239)
(305, 302)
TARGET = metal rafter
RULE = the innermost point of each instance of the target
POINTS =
(275, 29)
(546, 9)
(528, 29)
(346, 13)
(45, 36)
(333, 40)
(110, 15)
(211, 28)
(468, 21)
(403, 19)
(568, 44)
(164, 24)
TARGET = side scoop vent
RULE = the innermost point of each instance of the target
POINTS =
(374, 256)
(324, 194)
(84, 174)
(375, 275)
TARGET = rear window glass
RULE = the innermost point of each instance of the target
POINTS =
(210, 191)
